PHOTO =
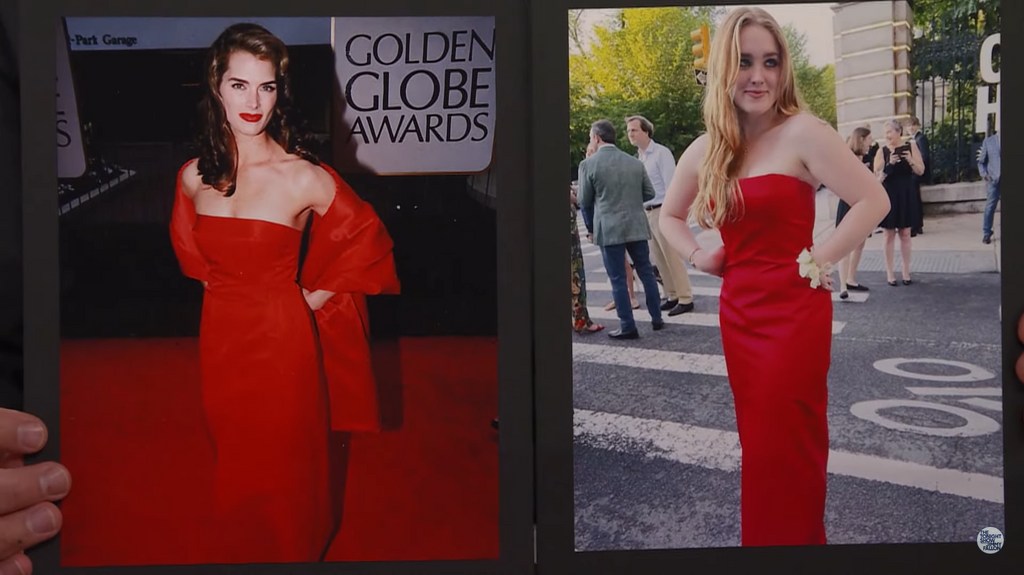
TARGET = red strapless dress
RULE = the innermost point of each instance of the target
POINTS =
(273, 371)
(777, 337)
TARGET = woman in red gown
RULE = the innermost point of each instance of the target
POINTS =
(753, 176)
(284, 353)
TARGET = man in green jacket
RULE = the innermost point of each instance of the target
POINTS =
(613, 187)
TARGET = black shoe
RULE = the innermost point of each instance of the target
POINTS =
(658, 325)
(857, 287)
(987, 239)
(619, 334)
(907, 282)
(843, 294)
(893, 283)
(681, 308)
(669, 304)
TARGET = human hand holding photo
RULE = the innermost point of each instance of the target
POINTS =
(27, 514)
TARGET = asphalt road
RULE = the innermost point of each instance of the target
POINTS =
(914, 413)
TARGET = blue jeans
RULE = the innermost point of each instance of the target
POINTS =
(615, 264)
(990, 207)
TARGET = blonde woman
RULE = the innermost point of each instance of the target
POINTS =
(753, 176)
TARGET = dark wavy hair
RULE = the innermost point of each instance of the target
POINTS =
(218, 152)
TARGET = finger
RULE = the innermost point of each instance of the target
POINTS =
(26, 486)
(11, 461)
(17, 565)
(20, 432)
(28, 527)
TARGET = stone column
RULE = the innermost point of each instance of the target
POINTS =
(872, 48)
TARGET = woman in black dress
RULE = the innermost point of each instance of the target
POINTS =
(895, 165)
(860, 144)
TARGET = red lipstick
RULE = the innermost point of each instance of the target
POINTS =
(251, 117)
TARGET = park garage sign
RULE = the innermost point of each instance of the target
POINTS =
(988, 92)
(418, 94)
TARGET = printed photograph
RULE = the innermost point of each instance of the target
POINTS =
(278, 289)
(785, 274)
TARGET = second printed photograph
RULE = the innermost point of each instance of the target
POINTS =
(785, 275)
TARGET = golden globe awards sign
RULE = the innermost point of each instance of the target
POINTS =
(988, 93)
(418, 94)
(70, 151)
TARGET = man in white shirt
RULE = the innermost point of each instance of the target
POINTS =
(660, 166)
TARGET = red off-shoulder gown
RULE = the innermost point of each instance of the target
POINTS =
(777, 339)
(277, 377)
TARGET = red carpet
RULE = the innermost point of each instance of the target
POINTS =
(132, 434)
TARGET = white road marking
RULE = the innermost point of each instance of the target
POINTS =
(984, 403)
(891, 366)
(601, 270)
(960, 391)
(975, 423)
(691, 318)
(714, 291)
(720, 450)
(674, 361)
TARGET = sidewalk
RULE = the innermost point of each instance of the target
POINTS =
(950, 244)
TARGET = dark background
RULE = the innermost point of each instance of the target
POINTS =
(11, 372)
(119, 276)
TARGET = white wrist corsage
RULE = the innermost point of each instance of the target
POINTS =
(810, 268)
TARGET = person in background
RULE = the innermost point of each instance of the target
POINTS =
(613, 189)
(859, 141)
(581, 322)
(914, 129)
(989, 166)
(895, 167)
(660, 165)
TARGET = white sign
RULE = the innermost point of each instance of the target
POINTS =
(986, 105)
(114, 33)
(70, 153)
(418, 94)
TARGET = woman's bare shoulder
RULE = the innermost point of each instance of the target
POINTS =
(697, 148)
(693, 155)
(311, 181)
(806, 124)
(805, 132)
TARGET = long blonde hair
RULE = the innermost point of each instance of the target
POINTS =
(718, 199)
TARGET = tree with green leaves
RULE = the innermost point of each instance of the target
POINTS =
(638, 63)
(946, 47)
(816, 84)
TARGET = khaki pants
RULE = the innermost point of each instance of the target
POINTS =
(669, 262)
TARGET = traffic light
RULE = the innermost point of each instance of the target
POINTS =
(701, 51)
(701, 47)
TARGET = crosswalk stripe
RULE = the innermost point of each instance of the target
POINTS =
(674, 361)
(961, 391)
(601, 270)
(691, 318)
(720, 450)
(855, 297)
